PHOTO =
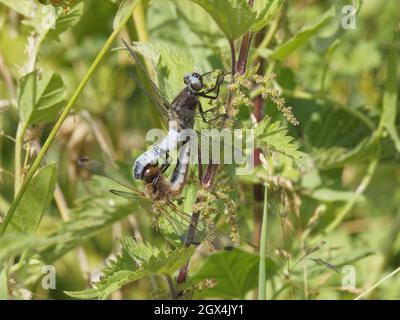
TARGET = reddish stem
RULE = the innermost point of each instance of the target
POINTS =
(208, 179)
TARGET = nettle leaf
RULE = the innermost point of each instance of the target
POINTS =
(266, 10)
(273, 136)
(301, 37)
(337, 157)
(24, 7)
(34, 202)
(137, 260)
(233, 17)
(389, 114)
(39, 100)
(236, 272)
(92, 216)
(124, 7)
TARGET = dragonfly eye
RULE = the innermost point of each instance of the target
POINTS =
(150, 173)
(193, 81)
(186, 79)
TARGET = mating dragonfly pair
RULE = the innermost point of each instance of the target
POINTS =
(177, 116)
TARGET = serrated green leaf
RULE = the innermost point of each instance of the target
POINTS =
(137, 260)
(236, 272)
(389, 113)
(233, 17)
(35, 201)
(39, 100)
(93, 215)
(301, 37)
(336, 157)
(24, 7)
(273, 136)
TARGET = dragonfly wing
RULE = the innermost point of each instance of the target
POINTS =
(158, 98)
(180, 221)
(163, 111)
(100, 169)
(138, 197)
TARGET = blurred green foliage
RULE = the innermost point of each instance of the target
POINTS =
(337, 207)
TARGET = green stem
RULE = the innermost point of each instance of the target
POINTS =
(19, 141)
(263, 244)
(359, 191)
(377, 284)
(63, 116)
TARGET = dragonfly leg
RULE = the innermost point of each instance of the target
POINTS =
(164, 167)
(216, 87)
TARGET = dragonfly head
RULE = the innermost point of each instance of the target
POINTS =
(193, 81)
(150, 172)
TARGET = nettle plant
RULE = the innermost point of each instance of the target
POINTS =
(249, 40)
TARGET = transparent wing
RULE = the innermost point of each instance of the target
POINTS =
(100, 169)
(180, 222)
(139, 197)
(157, 97)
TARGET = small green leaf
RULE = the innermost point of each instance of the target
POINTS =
(124, 7)
(236, 272)
(233, 17)
(388, 118)
(301, 37)
(273, 136)
(39, 100)
(24, 7)
(35, 201)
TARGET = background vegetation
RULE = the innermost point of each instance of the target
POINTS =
(331, 208)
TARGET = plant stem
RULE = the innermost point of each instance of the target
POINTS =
(377, 284)
(19, 141)
(359, 191)
(207, 181)
(233, 56)
(171, 287)
(63, 116)
(262, 292)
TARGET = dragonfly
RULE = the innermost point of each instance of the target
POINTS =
(177, 116)
(158, 196)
